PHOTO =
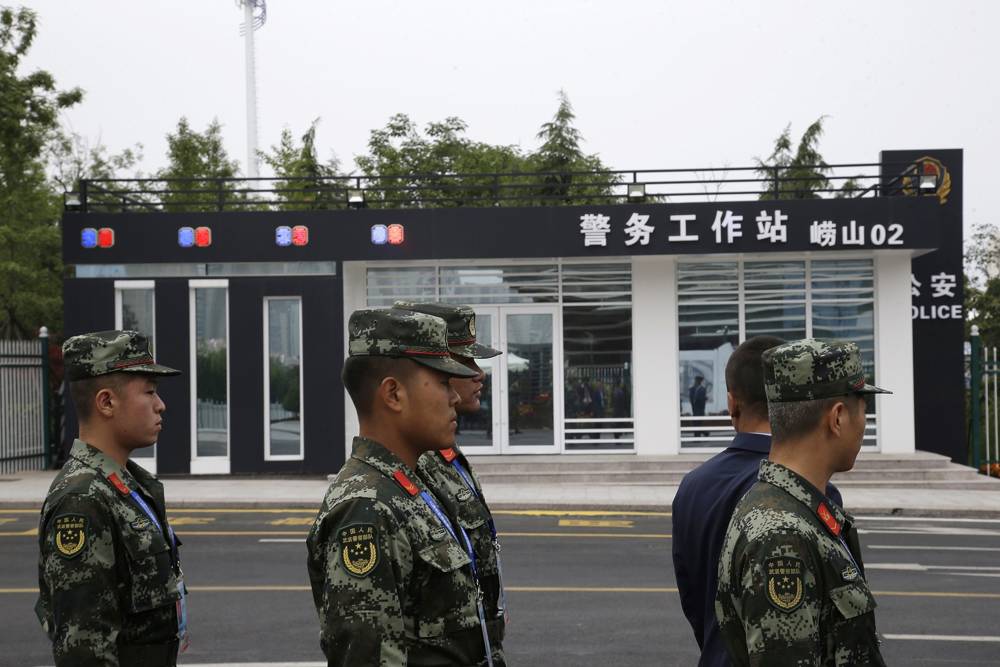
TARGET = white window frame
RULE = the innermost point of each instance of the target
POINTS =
(267, 385)
(872, 422)
(208, 465)
(147, 462)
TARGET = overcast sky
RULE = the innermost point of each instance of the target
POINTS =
(654, 84)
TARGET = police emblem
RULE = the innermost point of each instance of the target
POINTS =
(70, 533)
(359, 548)
(784, 583)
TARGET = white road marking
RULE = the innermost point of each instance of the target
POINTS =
(967, 570)
(924, 519)
(917, 547)
(944, 638)
(929, 530)
(282, 539)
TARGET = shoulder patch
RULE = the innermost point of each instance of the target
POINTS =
(69, 532)
(785, 583)
(448, 454)
(359, 548)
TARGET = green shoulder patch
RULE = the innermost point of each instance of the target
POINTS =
(783, 577)
(69, 532)
(359, 548)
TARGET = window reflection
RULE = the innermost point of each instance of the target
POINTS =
(284, 377)
(211, 372)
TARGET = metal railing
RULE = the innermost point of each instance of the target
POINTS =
(25, 442)
(984, 406)
(446, 190)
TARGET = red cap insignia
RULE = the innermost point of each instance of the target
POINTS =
(826, 516)
(405, 482)
(120, 485)
(448, 454)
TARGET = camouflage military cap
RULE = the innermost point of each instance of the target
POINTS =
(100, 353)
(461, 321)
(809, 369)
(399, 333)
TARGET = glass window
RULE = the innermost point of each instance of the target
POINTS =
(386, 285)
(597, 356)
(211, 371)
(500, 284)
(283, 381)
(136, 311)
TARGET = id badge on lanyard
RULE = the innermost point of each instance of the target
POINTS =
(181, 608)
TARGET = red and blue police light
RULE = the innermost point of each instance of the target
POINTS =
(391, 234)
(189, 237)
(97, 238)
(285, 236)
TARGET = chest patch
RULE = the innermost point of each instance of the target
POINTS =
(140, 524)
(70, 534)
(359, 549)
(785, 584)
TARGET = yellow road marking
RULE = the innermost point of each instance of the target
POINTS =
(7, 520)
(21, 511)
(299, 533)
(578, 513)
(293, 521)
(599, 523)
(31, 532)
(191, 520)
(243, 533)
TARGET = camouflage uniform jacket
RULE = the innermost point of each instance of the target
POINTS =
(108, 579)
(792, 589)
(390, 584)
(436, 469)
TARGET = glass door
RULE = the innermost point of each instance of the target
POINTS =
(478, 433)
(530, 380)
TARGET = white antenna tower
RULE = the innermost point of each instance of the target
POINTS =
(254, 16)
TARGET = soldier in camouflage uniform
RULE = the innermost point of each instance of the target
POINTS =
(792, 588)
(448, 473)
(394, 578)
(110, 581)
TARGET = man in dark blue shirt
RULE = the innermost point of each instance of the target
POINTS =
(708, 495)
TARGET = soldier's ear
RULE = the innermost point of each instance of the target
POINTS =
(104, 402)
(391, 393)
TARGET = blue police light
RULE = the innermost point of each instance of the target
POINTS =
(185, 237)
(88, 237)
(380, 234)
(283, 236)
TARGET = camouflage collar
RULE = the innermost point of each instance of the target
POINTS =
(92, 457)
(829, 513)
(377, 456)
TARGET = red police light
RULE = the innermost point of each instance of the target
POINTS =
(300, 235)
(396, 234)
(203, 237)
(105, 237)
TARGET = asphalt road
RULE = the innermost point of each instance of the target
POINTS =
(584, 589)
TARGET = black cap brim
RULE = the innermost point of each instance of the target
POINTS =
(150, 369)
(474, 350)
(872, 389)
(445, 365)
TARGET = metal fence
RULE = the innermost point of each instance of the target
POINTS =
(984, 406)
(433, 190)
(24, 405)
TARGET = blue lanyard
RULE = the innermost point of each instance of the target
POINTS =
(464, 474)
(145, 508)
(429, 501)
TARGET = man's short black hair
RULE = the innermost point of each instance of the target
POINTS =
(362, 376)
(797, 419)
(83, 391)
(745, 374)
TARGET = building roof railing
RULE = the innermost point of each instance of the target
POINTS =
(502, 189)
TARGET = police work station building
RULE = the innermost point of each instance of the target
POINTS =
(616, 315)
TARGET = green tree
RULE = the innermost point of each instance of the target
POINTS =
(982, 284)
(559, 162)
(197, 163)
(72, 158)
(30, 244)
(407, 167)
(306, 183)
(795, 172)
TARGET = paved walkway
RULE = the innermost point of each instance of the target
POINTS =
(28, 490)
